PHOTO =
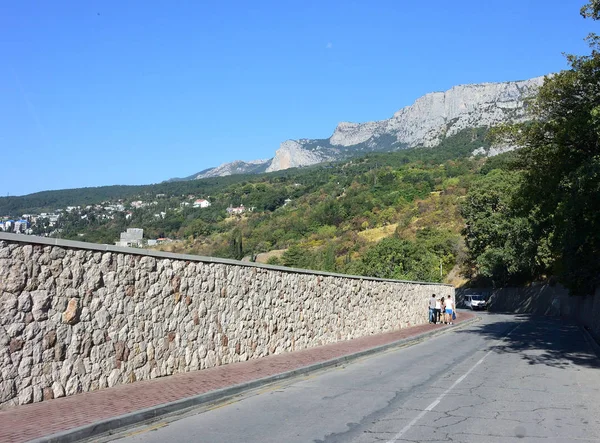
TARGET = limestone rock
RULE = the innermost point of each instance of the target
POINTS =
(58, 390)
(26, 396)
(102, 318)
(14, 277)
(16, 344)
(121, 351)
(292, 154)
(37, 394)
(425, 123)
(41, 304)
(114, 378)
(25, 303)
(8, 390)
(235, 167)
(47, 394)
(73, 386)
(94, 279)
(15, 329)
(71, 315)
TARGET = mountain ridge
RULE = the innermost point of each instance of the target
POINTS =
(431, 118)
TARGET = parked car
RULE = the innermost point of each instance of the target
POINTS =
(475, 301)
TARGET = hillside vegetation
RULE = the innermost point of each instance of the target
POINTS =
(390, 215)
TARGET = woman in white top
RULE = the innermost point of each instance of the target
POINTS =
(449, 309)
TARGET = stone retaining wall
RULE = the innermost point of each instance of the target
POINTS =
(77, 317)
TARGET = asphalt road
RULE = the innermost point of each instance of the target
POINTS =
(505, 378)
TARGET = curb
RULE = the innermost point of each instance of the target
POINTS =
(591, 341)
(154, 412)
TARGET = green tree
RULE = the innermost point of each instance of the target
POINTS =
(297, 257)
(399, 259)
(499, 240)
(560, 157)
(274, 261)
(197, 228)
(591, 10)
(236, 248)
(328, 259)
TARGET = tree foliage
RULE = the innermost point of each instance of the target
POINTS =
(548, 221)
(561, 160)
(498, 237)
(400, 259)
(591, 10)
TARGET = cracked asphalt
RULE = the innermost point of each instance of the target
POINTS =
(505, 378)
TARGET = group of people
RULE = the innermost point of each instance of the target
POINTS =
(441, 310)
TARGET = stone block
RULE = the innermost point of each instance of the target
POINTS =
(41, 304)
(121, 351)
(16, 344)
(58, 390)
(71, 315)
(26, 396)
(8, 390)
(25, 303)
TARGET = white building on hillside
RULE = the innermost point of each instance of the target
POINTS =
(132, 237)
(238, 210)
(201, 203)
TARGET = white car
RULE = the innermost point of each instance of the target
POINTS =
(475, 301)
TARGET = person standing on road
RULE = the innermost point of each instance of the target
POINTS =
(437, 310)
(432, 318)
(443, 311)
(449, 309)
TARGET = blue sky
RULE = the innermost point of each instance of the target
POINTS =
(109, 92)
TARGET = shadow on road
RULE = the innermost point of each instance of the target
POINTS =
(549, 341)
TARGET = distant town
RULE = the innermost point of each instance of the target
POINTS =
(47, 224)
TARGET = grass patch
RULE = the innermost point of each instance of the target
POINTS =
(376, 234)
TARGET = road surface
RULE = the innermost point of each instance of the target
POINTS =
(505, 378)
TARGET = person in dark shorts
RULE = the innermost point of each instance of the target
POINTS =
(432, 318)
(438, 310)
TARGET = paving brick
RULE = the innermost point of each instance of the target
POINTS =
(27, 422)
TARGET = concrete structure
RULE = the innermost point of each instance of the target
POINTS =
(131, 237)
(78, 317)
(237, 210)
(201, 203)
(21, 226)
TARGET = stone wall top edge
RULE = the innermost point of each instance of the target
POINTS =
(32, 239)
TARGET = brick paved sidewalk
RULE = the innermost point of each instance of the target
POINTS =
(24, 423)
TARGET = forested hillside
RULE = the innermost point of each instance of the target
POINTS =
(388, 215)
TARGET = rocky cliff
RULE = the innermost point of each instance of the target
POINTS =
(235, 167)
(424, 123)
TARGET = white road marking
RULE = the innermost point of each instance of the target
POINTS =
(437, 401)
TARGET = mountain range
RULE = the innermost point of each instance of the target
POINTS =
(425, 123)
